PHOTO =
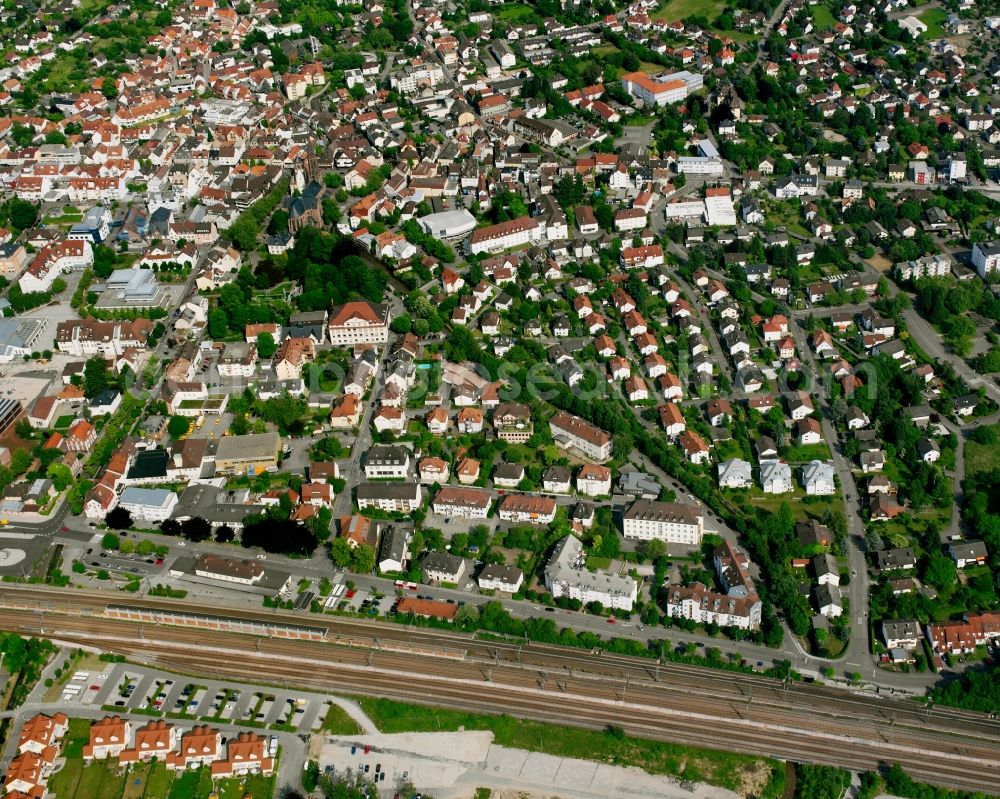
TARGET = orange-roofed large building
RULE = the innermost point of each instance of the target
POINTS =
(654, 92)
(155, 739)
(200, 746)
(42, 731)
(80, 437)
(108, 738)
(27, 773)
(245, 754)
(359, 322)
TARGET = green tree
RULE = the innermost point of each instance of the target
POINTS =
(21, 213)
(265, 345)
(104, 261)
(95, 377)
(60, 475)
(218, 323)
(340, 552)
(178, 426)
(119, 519)
(363, 559)
(278, 222)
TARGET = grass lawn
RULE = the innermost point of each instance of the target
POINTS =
(77, 736)
(604, 49)
(515, 12)
(337, 722)
(681, 9)
(98, 781)
(808, 452)
(822, 17)
(64, 421)
(63, 219)
(730, 771)
(63, 782)
(63, 74)
(980, 457)
(639, 121)
(157, 782)
(803, 506)
(598, 563)
(256, 785)
(101, 780)
(190, 784)
(650, 68)
(934, 19)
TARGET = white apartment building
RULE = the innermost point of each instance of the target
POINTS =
(572, 432)
(671, 522)
(593, 480)
(87, 337)
(699, 165)
(390, 497)
(697, 603)
(566, 575)
(929, 266)
(148, 504)
(53, 261)
(386, 462)
(462, 502)
(498, 577)
(359, 322)
(414, 78)
(986, 257)
(528, 508)
(505, 235)
(654, 92)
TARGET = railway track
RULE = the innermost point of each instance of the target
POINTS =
(673, 702)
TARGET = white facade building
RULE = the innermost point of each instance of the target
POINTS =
(566, 575)
(671, 522)
(986, 257)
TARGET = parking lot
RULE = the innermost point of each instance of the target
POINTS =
(96, 557)
(128, 688)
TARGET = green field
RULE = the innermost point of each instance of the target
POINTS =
(822, 17)
(934, 19)
(982, 457)
(337, 722)
(682, 9)
(808, 452)
(516, 12)
(728, 770)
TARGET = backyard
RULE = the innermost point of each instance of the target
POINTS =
(102, 780)
(982, 457)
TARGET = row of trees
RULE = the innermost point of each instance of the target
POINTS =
(244, 231)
